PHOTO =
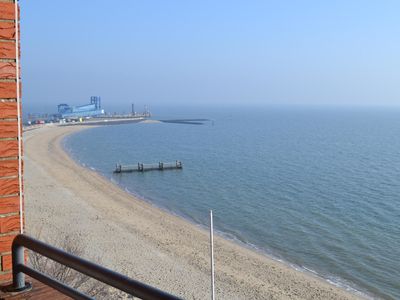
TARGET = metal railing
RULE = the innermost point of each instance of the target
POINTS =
(114, 279)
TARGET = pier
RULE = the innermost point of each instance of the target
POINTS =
(186, 121)
(140, 167)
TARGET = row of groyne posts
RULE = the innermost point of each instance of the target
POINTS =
(140, 167)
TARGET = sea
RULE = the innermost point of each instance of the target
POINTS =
(317, 188)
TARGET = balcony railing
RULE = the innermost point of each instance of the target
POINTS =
(114, 279)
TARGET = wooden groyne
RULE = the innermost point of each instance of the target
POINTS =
(186, 121)
(140, 167)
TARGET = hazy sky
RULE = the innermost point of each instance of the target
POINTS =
(220, 52)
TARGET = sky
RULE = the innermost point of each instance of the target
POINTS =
(210, 52)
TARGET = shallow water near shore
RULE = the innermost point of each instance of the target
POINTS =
(316, 188)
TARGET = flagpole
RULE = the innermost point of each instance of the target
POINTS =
(212, 256)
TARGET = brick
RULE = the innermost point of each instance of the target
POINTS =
(5, 277)
(9, 186)
(6, 263)
(8, 110)
(7, 50)
(8, 168)
(7, 30)
(8, 148)
(8, 70)
(9, 224)
(9, 205)
(8, 90)
(7, 11)
(8, 129)
(5, 242)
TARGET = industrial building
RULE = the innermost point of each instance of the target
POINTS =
(68, 113)
(93, 109)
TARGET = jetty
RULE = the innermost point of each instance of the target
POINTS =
(140, 167)
(186, 121)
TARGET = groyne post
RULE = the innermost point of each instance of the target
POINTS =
(178, 164)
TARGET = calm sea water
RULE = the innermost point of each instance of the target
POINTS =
(316, 188)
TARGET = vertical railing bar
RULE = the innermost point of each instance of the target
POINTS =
(17, 256)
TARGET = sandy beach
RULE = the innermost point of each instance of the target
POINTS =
(135, 238)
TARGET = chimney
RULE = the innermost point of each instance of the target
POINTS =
(11, 201)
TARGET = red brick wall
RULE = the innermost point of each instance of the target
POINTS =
(9, 151)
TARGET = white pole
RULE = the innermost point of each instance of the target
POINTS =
(212, 257)
(21, 211)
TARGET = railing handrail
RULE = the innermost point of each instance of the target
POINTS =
(114, 279)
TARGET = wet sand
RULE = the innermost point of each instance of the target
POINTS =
(135, 238)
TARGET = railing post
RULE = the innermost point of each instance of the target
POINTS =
(18, 259)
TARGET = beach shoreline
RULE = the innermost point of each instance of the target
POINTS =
(63, 197)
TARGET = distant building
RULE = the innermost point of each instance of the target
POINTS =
(93, 109)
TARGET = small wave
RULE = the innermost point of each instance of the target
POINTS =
(336, 281)
(309, 270)
(340, 283)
